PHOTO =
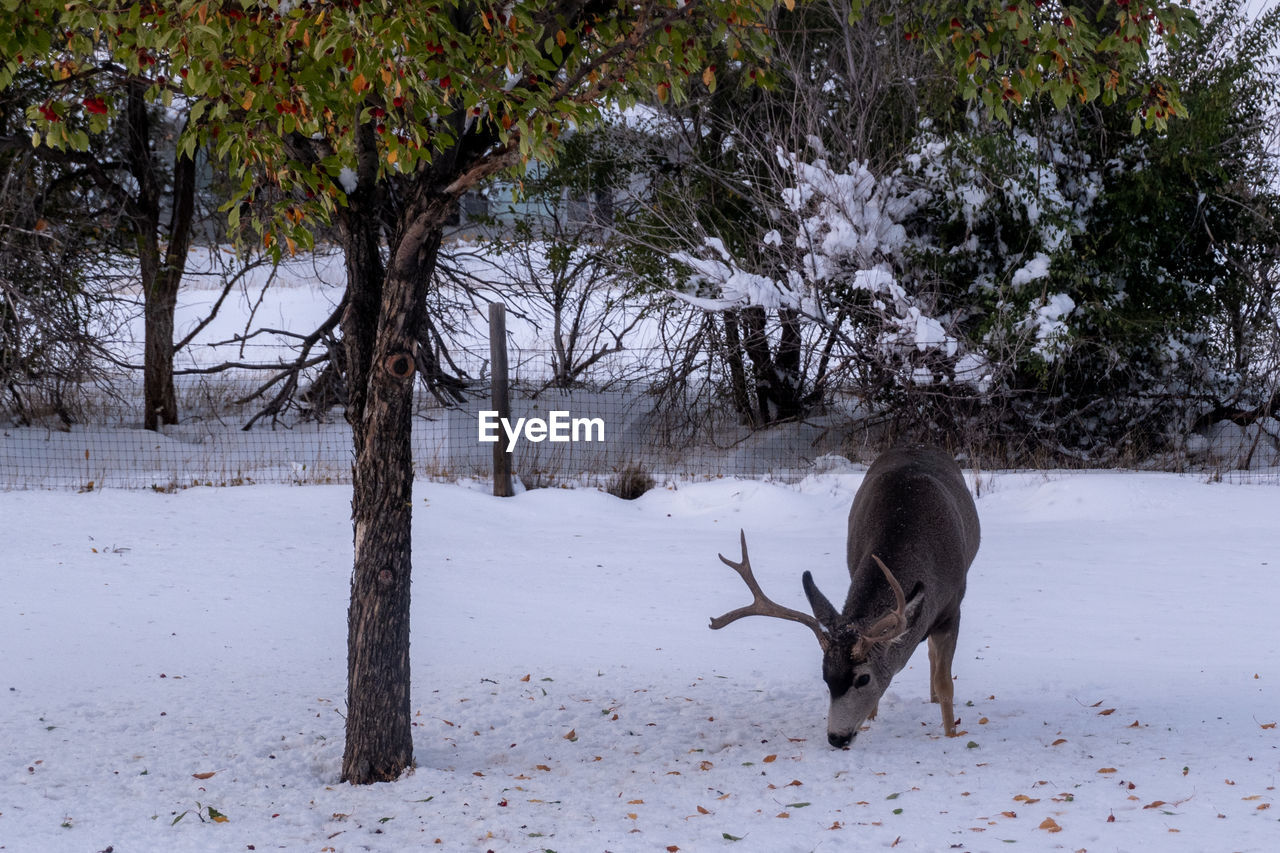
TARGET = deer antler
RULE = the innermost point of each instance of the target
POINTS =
(887, 626)
(762, 605)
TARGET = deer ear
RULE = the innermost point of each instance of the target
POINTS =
(913, 606)
(827, 615)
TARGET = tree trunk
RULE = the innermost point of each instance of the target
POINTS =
(161, 273)
(737, 373)
(161, 282)
(787, 391)
(380, 331)
(160, 401)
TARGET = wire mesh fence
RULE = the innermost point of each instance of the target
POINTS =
(555, 437)
(585, 435)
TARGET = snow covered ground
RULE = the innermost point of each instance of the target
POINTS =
(172, 674)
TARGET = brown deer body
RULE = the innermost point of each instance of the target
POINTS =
(914, 527)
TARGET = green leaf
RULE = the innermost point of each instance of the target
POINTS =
(727, 837)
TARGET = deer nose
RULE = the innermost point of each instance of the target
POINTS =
(839, 741)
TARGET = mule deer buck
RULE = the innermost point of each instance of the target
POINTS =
(913, 526)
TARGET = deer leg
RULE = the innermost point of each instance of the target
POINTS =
(942, 649)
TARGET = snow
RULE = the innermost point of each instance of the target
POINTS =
(1033, 270)
(1117, 660)
(1047, 318)
(348, 179)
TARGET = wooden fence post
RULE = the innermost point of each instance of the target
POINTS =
(501, 401)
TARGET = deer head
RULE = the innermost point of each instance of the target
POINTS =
(858, 661)
(854, 664)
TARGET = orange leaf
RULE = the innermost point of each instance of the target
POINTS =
(769, 759)
(1009, 814)
(527, 677)
(632, 815)
(635, 802)
(1059, 742)
(1049, 825)
(701, 810)
(208, 775)
(359, 84)
(1154, 804)
(572, 735)
(783, 814)
(1107, 713)
(1268, 725)
(541, 767)
(705, 765)
(1106, 770)
(671, 848)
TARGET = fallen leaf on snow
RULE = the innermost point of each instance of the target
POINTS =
(1049, 825)
(1107, 713)
(208, 775)
(1268, 725)
(1155, 804)
(1106, 770)
(702, 810)
(1059, 742)
(769, 759)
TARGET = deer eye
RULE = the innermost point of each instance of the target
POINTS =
(861, 680)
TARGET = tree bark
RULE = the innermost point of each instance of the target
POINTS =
(161, 270)
(737, 373)
(381, 327)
